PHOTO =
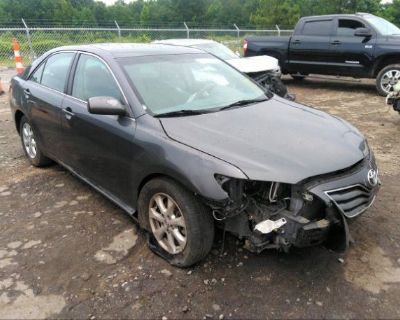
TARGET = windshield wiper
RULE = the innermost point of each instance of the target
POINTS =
(242, 103)
(179, 113)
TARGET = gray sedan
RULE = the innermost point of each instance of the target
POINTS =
(185, 143)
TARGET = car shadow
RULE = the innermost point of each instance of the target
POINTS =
(333, 84)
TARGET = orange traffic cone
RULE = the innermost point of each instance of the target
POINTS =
(1, 88)
(18, 59)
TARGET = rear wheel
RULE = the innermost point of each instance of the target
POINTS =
(387, 78)
(29, 144)
(181, 226)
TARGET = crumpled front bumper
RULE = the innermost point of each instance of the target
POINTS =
(351, 191)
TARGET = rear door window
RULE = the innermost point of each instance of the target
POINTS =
(37, 75)
(94, 79)
(56, 69)
(317, 28)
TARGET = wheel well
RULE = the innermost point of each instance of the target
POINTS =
(18, 116)
(384, 62)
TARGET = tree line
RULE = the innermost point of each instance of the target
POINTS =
(259, 13)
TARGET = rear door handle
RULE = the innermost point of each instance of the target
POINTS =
(68, 113)
(336, 42)
(27, 93)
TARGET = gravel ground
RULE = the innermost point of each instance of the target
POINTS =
(67, 252)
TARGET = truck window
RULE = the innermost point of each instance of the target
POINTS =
(347, 27)
(317, 28)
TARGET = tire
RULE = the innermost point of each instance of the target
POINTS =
(198, 230)
(29, 144)
(298, 76)
(386, 78)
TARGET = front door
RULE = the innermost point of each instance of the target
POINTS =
(352, 55)
(100, 147)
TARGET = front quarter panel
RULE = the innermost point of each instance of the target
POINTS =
(157, 154)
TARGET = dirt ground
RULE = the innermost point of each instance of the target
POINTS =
(67, 252)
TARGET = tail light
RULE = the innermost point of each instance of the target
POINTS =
(245, 47)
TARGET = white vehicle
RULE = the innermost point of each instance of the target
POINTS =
(263, 69)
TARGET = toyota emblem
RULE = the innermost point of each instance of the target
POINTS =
(372, 177)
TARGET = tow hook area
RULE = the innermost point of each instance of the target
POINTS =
(267, 226)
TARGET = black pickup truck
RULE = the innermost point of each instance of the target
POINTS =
(358, 45)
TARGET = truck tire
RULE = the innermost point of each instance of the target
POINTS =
(387, 78)
(180, 226)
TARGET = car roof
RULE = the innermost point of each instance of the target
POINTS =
(184, 42)
(358, 14)
(118, 50)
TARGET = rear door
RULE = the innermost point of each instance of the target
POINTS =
(44, 94)
(310, 47)
(352, 55)
(99, 146)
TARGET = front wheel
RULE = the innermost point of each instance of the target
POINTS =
(387, 78)
(181, 226)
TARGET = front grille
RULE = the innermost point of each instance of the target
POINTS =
(352, 200)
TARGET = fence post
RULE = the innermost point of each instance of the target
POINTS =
(118, 28)
(28, 36)
(187, 30)
(279, 30)
(238, 31)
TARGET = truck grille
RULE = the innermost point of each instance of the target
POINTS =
(352, 200)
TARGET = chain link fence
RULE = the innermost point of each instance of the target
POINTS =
(34, 41)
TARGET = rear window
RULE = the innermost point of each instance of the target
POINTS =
(317, 28)
(56, 69)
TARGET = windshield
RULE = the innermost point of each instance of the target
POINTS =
(170, 83)
(383, 26)
(218, 50)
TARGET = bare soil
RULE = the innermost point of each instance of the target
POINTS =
(67, 252)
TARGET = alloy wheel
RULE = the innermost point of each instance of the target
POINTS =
(389, 79)
(167, 223)
(29, 140)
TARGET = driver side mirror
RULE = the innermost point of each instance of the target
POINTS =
(363, 32)
(106, 106)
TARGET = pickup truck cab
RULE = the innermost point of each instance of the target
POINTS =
(358, 45)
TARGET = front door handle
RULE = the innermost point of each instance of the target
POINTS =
(336, 42)
(68, 113)
(296, 42)
(27, 93)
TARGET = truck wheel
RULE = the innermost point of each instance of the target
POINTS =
(29, 144)
(181, 227)
(387, 78)
(298, 76)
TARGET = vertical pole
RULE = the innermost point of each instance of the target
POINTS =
(28, 36)
(187, 30)
(238, 35)
(237, 30)
(279, 30)
(118, 28)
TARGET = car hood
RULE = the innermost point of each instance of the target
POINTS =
(254, 64)
(272, 141)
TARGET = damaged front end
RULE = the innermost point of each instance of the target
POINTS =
(271, 81)
(313, 212)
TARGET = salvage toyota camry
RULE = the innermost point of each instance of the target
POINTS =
(185, 143)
